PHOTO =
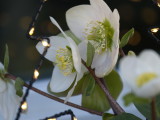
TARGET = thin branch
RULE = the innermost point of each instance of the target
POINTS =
(153, 109)
(114, 105)
(56, 98)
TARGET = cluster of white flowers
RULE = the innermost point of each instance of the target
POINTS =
(94, 23)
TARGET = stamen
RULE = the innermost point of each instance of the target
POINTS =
(100, 35)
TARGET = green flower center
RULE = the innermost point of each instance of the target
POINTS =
(64, 61)
(144, 78)
(100, 35)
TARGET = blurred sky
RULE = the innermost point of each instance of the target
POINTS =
(15, 16)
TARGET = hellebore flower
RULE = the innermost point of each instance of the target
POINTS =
(142, 73)
(9, 101)
(97, 24)
(64, 53)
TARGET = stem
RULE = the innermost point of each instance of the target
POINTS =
(121, 52)
(56, 98)
(153, 108)
(114, 105)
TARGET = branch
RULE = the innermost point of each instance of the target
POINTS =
(114, 105)
(56, 98)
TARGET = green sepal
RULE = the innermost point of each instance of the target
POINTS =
(124, 116)
(126, 38)
(88, 85)
(131, 98)
(19, 86)
(97, 100)
(90, 53)
(6, 59)
(77, 90)
(70, 34)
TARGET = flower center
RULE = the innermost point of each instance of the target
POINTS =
(64, 61)
(100, 35)
(144, 78)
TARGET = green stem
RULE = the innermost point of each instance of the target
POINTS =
(153, 108)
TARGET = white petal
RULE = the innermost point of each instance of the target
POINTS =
(151, 58)
(9, 102)
(78, 17)
(74, 48)
(78, 77)
(1, 66)
(56, 42)
(59, 82)
(2, 86)
(149, 90)
(83, 50)
(109, 63)
(98, 59)
(102, 8)
(114, 20)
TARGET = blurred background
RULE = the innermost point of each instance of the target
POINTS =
(15, 16)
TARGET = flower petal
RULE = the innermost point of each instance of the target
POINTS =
(98, 59)
(78, 17)
(83, 50)
(9, 102)
(75, 52)
(102, 9)
(56, 42)
(59, 82)
(78, 77)
(107, 66)
(147, 91)
(1, 66)
(2, 86)
(152, 60)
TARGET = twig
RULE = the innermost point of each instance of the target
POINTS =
(121, 52)
(56, 98)
(114, 105)
(153, 108)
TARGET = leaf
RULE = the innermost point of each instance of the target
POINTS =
(70, 34)
(97, 100)
(124, 116)
(130, 98)
(88, 85)
(77, 90)
(144, 109)
(6, 59)
(90, 54)
(19, 86)
(107, 116)
(126, 38)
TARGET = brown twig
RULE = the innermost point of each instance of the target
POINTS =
(114, 105)
(56, 98)
(153, 108)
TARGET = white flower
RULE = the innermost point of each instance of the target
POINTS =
(142, 73)
(96, 24)
(64, 53)
(9, 101)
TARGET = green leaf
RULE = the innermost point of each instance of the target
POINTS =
(97, 100)
(6, 59)
(124, 116)
(90, 54)
(144, 109)
(131, 98)
(70, 34)
(77, 90)
(19, 86)
(107, 116)
(126, 38)
(88, 85)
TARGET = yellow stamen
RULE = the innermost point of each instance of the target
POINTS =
(144, 78)
(31, 31)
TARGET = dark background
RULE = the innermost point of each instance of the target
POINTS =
(15, 16)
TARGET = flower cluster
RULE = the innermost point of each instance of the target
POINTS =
(101, 31)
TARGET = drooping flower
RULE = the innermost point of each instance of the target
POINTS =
(142, 73)
(9, 101)
(96, 24)
(64, 53)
